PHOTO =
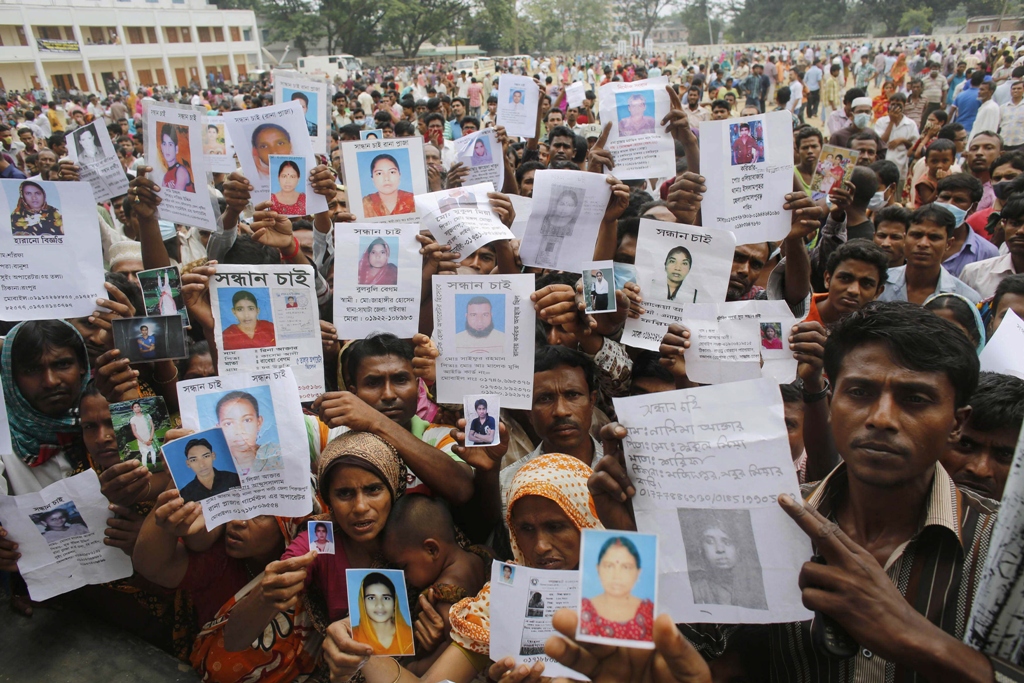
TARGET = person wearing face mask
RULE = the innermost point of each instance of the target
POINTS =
(1003, 171)
(861, 120)
(960, 193)
(888, 182)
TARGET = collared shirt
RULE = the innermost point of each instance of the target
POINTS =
(987, 119)
(976, 248)
(985, 276)
(1011, 123)
(896, 286)
(906, 129)
(933, 89)
(837, 120)
(937, 570)
(830, 95)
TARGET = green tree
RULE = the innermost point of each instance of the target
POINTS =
(644, 15)
(292, 21)
(410, 23)
(352, 26)
(919, 19)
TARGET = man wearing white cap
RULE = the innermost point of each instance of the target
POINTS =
(126, 257)
(861, 120)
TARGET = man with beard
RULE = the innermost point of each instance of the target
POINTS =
(480, 337)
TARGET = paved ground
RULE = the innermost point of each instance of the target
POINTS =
(55, 646)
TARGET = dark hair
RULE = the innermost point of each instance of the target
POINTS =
(646, 365)
(192, 443)
(720, 104)
(678, 250)
(852, 94)
(949, 131)
(479, 402)
(237, 396)
(941, 145)
(384, 157)
(1011, 284)
(477, 300)
(791, 393)
(940, 115)
(376, 346)
(1013, 209)
(414, 518)
(805, 132)
(247, 251)
(526, 168)
(125, 286)
(962, 181)
(937, 214)
(892, 214)
(268, 126)
(985, 133)
(560, 132)
(865, 185)
(377, 577)
(898, 97)
(977, 78)
(620, 542)
(550, 357)
(887, 171)
(318, 526)
(36, 337)
(405, 129)
(962, 312)
(288, 163)
(297, 95)
(916, 339)
(997, 403)
(860, 250)
(1015, 159)
(627, 227)
(243, 295)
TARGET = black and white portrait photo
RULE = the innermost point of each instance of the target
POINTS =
(559, 222)
(721, 558)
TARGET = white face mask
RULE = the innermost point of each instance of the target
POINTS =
(877, 201)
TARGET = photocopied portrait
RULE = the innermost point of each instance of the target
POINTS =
(558, 223)
(482, 416)
(373, 134)
(201, 465)
(151, 338)
(386, 182)
(379, 611)
(480, 324)
(36, 209)
(535, 605)
(771, 336)
(746, 140)
(161, 292)
(721, 558)
(678, 262)
(481, 153)
(508, 573)
(378, 260)
(599, 287)
(87, 144)
(635, 112)
(175, 157)
(213, 139)
(266, 139)
(309, 103)
(249, 423)
(59, 523)
(246, 317)
(288, 185)
(618, 593)
(516, 100)
(457, 198)
(321, 536)
(140, 426)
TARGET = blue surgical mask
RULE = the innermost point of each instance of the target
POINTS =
(877, 201)
(861, 120)
(958, 214)
(167, 230)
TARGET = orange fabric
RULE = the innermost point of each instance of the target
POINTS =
(813, 316)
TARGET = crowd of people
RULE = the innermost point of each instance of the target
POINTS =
(898, 278)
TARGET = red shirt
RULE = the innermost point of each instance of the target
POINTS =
(978, 222)
(211, 579)
(264, 337)
(812, 314)
(328, 571)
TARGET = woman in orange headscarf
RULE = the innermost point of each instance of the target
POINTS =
(381, 624)
(880, 104)
(899, 72)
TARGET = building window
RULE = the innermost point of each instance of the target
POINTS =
(246, 35)
(48, 32)
(171, 33)
(151, 34)
(186, 34)
(20, 30)
(236, 35)
(135, 35)
(218, 34)
(204, 34)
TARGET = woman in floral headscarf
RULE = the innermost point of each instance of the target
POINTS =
(360, 476)
(548, 507)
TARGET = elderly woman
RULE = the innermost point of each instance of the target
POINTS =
(548, 506)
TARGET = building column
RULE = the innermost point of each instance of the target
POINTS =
(199, 51)
(30, 37)
(231, 53)
(168, 74)
(129, 69)
(259, 47)
(89, 80)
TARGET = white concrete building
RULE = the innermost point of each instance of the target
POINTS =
(84, 44)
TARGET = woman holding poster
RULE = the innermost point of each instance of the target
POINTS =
(388, 200)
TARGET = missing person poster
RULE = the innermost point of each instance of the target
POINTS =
(51, 261)
(161, 292)
(90, 147)
(708, 465)
(280, 129)
(266, 317)
(382, 178)
(60, 532)
(377, 280)
(217, 148)
(262, 443)
(575, 93)
(833, 170)
(462, 218)
(517, 105)
(484, 328)
(566, 215)
(311, 95)
(482, 153)
(523, 601)
(174, 133)
(678, 265)
(748, 164)
(639, 143)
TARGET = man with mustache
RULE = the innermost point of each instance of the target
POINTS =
(984, 276)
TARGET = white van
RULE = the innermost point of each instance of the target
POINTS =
(330, 64)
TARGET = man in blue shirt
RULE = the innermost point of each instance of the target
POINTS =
(967, 103)
(812, 83)
(146, 343)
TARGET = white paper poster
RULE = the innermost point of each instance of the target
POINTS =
(59, 532)
(482, 153)
(565, 218)
(640, 146)
(382, 177)
(484, 328)
(748, 164)
(174, 147)
(217, 148)
(51, 260)
(90, 147)
(678, 265)
(377, 279)
(523, 207)
(311, 95)
(523, 601)
(708, 465)
(517, 105)
(280, 129)
(266, 317)
(575, 93)
(261, 420)
(462, 218)
(1002, 353)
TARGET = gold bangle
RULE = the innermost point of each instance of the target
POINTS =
(399, 670)
(167, 381)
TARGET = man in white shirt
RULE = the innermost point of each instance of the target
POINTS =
(984, 276)
(988, 112)
(898, 133)
(1011, 117)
